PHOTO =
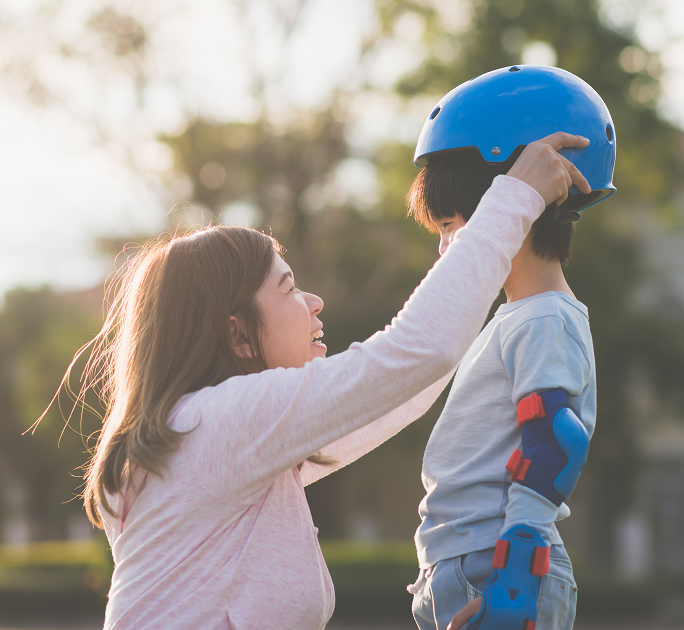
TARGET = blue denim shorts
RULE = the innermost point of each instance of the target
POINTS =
(442, 590)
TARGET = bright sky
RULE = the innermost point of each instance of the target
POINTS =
(64, 185)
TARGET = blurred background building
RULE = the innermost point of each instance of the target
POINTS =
(122, 120)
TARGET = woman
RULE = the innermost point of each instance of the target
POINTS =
(220, 408)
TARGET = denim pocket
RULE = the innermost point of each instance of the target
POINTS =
(557, 601)
(560, 564)
(557, 595)
(472, 571)
(556, 604)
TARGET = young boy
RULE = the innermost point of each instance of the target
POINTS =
(488, 518)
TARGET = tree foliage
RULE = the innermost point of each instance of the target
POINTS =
(39, 334)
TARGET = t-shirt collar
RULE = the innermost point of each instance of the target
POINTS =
(509, 307)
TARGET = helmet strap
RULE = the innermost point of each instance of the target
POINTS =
(560, 215)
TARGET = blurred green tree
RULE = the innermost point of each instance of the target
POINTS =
(39, 333)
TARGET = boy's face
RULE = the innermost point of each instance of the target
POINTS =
(447, 230)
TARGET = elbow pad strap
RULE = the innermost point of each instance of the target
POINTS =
(509, 598)
(555, 446)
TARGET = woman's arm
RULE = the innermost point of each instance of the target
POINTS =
(356, 444)
(259, 425)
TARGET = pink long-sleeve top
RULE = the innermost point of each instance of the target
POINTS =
(225, 540)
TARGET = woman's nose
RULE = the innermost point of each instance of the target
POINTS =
(315, 303)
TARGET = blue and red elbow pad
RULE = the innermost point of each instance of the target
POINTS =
(555, 446)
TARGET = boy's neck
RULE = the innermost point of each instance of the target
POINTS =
(531, 275)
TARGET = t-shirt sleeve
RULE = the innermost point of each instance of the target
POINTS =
(541, 354)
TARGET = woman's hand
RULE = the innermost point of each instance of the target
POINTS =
(466, 613)
(548, 172)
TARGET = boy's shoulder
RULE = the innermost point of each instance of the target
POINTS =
(554, 306)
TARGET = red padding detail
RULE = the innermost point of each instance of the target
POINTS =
(501, 554)
(530, 408)
(540, 561)
(514, 461)
(529, 625)
(518, 466)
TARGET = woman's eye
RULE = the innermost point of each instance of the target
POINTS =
(446, 225)
(293, 289)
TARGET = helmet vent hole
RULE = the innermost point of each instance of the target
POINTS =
(435, 112)
(609, 133)
(514, 69)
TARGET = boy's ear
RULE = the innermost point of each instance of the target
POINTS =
(238, 338)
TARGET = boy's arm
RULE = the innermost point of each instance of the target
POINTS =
(548, 368)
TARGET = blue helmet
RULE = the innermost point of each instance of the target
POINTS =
(504, 109)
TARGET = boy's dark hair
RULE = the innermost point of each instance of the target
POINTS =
(453, 183)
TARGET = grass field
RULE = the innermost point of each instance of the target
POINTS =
(63, 586)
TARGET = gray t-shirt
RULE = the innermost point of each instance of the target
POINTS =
(541, 342)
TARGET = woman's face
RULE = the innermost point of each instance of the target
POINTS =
(290, 318)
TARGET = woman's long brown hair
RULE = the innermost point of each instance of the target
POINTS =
(166, 334)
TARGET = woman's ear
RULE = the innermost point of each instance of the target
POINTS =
(238, 338)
